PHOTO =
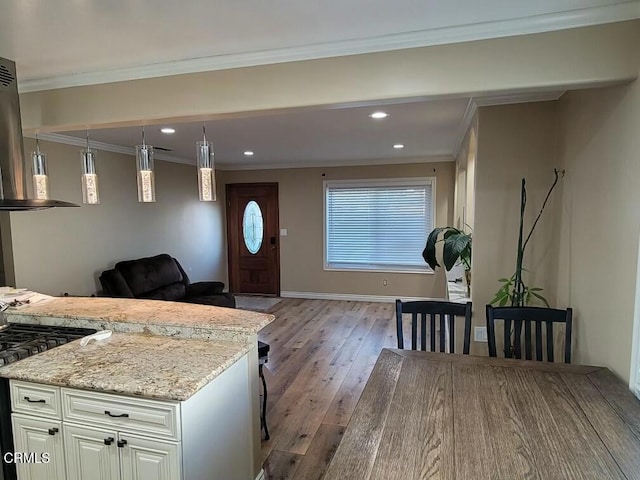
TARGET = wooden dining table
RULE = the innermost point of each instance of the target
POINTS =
(442, 416)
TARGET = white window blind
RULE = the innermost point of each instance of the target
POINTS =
(378, 225)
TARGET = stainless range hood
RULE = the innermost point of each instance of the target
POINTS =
(13, 187)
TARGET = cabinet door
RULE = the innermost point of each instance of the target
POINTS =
(92, 453)
(40, 440)
(149, 459)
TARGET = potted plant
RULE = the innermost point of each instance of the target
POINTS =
(513, 290)
(456, 249)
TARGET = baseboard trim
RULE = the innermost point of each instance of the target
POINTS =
(260, 475)
(351, 296)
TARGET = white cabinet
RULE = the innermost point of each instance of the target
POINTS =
(91, 453)
(101, 436)
(104, 454)
(145, 459)
(41, 440)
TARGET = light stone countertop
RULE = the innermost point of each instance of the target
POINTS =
(158, 317)
(131, 364)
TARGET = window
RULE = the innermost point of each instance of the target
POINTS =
(378, 224)
(252, 227)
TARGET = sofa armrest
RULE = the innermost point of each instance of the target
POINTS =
(200, 289)
(114, 284)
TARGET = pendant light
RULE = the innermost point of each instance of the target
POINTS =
(89, 179)
(144, 163)
(40, 176)
(206, 170)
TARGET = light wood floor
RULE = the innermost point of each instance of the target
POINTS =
(322, 353)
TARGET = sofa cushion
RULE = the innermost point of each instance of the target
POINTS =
(173, 292)
(203, 289)
(148, 274)
(114, 284)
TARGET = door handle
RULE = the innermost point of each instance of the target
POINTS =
(53, 431)
(34, 401)
(108, 441)
(123, 415)
(121, 443)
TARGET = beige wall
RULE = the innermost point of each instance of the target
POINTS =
(514, 141)
(465, 179)
(470, 194)
(600, 221)
(301, 212)
(584, 252)
(598, 54)
(65, 249)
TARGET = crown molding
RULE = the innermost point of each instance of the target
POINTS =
(583, 17)
(106, 147)
(109, 147)
(463, 128)
(523, 97)
(435, 158)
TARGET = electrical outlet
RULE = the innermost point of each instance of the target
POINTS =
(480, 334)
(384, 283)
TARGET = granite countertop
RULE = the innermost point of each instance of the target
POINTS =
(131, 364)
(179, 319)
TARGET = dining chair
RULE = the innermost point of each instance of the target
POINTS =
(536, 316)
(447, 312)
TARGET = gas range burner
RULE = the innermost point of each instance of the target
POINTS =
(19, 340)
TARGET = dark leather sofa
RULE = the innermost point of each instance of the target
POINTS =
(161, 278)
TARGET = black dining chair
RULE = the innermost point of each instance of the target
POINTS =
(447, 312)
(529, 316)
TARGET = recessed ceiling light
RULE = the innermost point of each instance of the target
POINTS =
(379, 115)
(398, 145)
(168, 130)
(248, 153)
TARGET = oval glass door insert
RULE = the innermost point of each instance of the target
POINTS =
(252, 227)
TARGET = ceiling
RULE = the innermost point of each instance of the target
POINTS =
(306, 138)
(63, 43)
(58, 43)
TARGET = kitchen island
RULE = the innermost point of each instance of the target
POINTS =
(127, 315)
(172, 394)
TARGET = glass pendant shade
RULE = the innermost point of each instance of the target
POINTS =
(40, 175)
(146, 184)
(89, 179)
(206, 172)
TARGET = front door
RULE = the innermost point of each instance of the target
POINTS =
(252, 238)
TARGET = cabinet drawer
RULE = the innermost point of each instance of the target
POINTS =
(35, 399)
(127, 414)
